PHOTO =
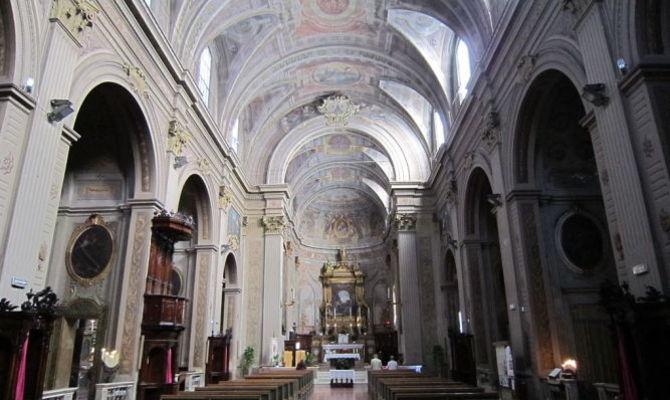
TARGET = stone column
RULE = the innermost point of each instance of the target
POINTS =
(272, 286)
(631, 232)
(30, 231)
(410, 336)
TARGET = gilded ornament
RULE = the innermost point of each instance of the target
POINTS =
(273, 225)
(225, 197)
(338, 110)
(177, 138)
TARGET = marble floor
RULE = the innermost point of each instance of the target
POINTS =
(325, 392)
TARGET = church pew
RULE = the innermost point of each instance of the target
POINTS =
(448, 396)
(384, 385)
(394, 391)
(379, 380)
(377, 374)
(281, 389)
(304, 380)
(215, 396)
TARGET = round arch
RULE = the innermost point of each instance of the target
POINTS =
(125, 109)
(194, 200)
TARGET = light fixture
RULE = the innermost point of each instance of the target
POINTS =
(29, 85)
(180, 161)
(494, 199)
(622, 65)
(61, 108)
(594, 93)
(569, 369)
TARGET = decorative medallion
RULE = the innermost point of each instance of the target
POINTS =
(452, 191)
(177, 137)
(338, 110)
(491, 137)
(225, 197)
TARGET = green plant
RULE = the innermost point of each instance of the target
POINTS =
(247, 359)
(309, 360)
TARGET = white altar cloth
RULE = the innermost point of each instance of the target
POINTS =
(349, 346)
(342, 374)
(330, 356)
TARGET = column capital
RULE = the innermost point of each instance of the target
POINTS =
(405, 222)
(273, 225)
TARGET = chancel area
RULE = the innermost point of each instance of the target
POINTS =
(307, 199)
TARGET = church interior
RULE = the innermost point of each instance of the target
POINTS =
(306, 199)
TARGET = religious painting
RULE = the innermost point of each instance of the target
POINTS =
(234, 226)
(336, 74)
(90, 251)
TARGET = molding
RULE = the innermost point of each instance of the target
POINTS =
(11, 92)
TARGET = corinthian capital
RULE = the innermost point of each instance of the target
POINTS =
(273, 225)
(405, 222)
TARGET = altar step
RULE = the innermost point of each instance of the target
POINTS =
(323, 377)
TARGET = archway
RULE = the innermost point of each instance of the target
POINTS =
(6, 39)
(450, 289)
(486, 287)
(228, 297)
(102, 174)
(193, 201)
(568, 217)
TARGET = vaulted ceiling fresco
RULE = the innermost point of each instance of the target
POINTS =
(385, 66)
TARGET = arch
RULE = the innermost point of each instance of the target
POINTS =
(6, 39)
(194, 200)
(452, 306)
(230, 271)
(653, 30)
(487, 294)
(122, 108)
(529, 114)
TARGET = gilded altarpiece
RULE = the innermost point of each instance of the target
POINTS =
(343, 309)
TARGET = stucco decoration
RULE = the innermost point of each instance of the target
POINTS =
(331, 16)
(338, 110)
(136, 78)
(3, 43)
(405, 222)
(75, 15)
(177, 138)
(225, 197)
(273, 225)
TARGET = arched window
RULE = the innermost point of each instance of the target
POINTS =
(235, 135)
(205, 74)
(463, 70)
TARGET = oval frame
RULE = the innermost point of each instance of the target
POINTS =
(559, 243)
(93, 220)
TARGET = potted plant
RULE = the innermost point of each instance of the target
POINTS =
(247, 359)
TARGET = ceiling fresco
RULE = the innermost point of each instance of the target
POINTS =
(278, 61)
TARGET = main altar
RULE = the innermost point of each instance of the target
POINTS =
(343, 310)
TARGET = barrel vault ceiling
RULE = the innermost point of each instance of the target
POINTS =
(387, 63)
